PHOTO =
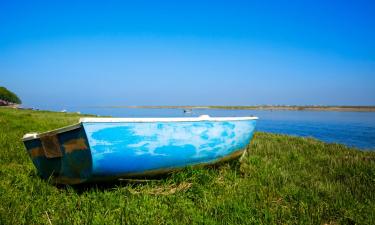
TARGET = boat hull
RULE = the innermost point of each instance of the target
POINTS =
(96, 151)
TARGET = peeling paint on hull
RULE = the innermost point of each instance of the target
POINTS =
(95, 151)
(157, 172)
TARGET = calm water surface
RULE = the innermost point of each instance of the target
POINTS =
(351, 128)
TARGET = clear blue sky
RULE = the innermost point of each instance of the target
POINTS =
(188, 52)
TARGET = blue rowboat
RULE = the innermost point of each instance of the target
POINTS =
(99, 149)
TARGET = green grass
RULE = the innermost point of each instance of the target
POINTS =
(282, 180)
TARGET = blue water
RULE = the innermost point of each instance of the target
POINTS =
(356, 129)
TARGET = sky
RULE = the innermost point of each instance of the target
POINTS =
(105, 53)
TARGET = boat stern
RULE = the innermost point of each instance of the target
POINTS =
(61, 155)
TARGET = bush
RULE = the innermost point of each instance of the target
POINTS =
(9, 96)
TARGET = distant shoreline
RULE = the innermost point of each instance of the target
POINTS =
(266, 107)
(261, 107)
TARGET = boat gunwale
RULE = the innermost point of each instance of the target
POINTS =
(163, 119)
(32, 136)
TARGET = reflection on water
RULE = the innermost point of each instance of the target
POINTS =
(350, 128)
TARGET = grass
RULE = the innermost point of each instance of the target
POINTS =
(282, 180)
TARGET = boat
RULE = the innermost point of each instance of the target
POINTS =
(106, 149)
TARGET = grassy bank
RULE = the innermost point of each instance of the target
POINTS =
(282, 179)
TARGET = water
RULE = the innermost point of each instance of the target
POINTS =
(355, 129)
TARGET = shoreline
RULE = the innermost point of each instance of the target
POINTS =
(260, 107)
(271, 108)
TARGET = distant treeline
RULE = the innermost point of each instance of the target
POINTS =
(9, 97)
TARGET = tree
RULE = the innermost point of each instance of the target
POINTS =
(9, 96)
